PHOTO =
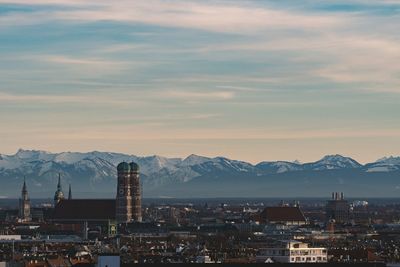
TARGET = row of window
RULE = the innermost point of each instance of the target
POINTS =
(307, 259)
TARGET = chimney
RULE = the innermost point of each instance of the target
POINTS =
(333, 195)
(341, 196)
(336, 196)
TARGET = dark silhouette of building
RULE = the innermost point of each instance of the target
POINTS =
(283, 215)
(58, 195)
(337, 208)
(69, 193)
(24, 204)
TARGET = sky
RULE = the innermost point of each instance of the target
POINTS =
(249, 80)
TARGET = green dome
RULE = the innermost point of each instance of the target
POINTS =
(134, 166)
(123, 167)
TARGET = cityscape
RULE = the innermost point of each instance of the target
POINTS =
(125, 231)
(190, 132)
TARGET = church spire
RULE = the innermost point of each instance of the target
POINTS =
(24, 204)
(24, 190)
(59, 195)
(69, 193)
(59, 182)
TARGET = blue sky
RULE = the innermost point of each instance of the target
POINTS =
(252, 80)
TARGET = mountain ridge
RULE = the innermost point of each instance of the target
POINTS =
(95, 172)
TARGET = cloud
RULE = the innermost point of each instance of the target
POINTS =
(217, 16)
(192, 95)
(87, 99)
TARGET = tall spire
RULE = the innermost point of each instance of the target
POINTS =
(24, 204)
(24, 186)
(69, 192)
(59, 195)
(59, 182)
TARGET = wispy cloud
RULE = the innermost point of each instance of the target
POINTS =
(191, 95)
(218, 17)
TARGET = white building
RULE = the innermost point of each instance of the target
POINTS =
(108, 260)
(292, 252)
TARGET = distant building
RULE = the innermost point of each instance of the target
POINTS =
(58, 195)
(24, 205)
(128, 199)
(338, 209)
(292, 252)
(79, 215)
(283, 215)
(108, 260)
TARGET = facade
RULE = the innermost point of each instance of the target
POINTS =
(108, 260)
(128, 199)
(338, 209)
(137, 194)
(124, 193)
(58, 195)
(292, 252)
(24, 205)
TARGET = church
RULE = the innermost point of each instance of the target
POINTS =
(79, 215)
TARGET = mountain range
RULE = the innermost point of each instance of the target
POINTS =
(93, 174)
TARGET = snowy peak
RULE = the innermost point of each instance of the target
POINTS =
(278, 166)
(389, 160)
(331, 162)
(386, 164)
(194, 160)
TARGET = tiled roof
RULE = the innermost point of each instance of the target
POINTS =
(85, 209)
(282, 214)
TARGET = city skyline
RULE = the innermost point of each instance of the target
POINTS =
(248, 80)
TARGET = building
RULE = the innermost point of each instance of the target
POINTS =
(24, 205)
(137, 194)
(124, 193)
(283, 215)
(81, 215)
(338, 209)
(102, 215)
(292, 252)
(128, 199)
(58, 195)
(108, 260)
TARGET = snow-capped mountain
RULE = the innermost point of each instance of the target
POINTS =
(279, 166)
(385, 164)
(331, 162)
(95, 172)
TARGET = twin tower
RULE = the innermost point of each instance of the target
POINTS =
(128, 201)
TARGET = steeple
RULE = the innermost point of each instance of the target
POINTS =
(24, 204)
(59, 182)
(69, 193)
(24, 190)
(58, 195)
